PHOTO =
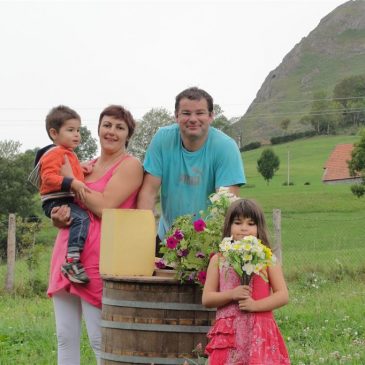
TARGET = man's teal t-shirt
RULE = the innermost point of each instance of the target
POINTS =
(188, 178)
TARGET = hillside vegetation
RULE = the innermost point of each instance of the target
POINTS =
(333, 51)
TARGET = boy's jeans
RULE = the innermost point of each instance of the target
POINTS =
(79, 226)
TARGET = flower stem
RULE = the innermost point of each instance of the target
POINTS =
(245, 279)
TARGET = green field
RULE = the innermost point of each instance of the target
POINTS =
(323, 250)
(322, 225)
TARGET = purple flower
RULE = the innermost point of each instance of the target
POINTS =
(199, 255)
(202, 276)
(199, 225)
(191, 276)
(160, 264)
(171, 242)
(183, 252)
(178, 235)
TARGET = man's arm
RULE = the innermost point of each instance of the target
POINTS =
(148, 194)
(234, 189)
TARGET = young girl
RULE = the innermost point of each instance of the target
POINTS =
(245, 331)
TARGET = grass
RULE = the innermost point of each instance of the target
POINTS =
(322, 226)
(323, 248)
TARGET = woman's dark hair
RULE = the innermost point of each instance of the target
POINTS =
(246, 208)
(120, 113)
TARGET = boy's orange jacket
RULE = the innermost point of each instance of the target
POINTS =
(51, 162)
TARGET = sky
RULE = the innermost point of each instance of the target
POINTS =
(139, 54)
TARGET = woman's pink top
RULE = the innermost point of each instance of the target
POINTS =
(91, 292)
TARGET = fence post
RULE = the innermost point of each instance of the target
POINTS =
(277, 249)
(9, 284)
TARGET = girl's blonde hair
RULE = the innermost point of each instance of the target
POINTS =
(246, 208)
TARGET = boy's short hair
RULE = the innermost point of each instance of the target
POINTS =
(194, 93)
(57, 116)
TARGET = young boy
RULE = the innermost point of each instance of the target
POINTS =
(63, 127)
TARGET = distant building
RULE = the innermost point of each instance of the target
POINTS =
(336, 169)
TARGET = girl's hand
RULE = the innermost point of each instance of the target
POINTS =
(241, 292)
(247, 304)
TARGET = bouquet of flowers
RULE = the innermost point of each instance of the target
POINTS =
(247, 256)
(191, 241)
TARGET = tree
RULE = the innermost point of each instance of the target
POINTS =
(88, 146)
(146, 129)
(350, 93)
(16, 193)
(9, 149)
(284, 124)
(324, 115)
(268, 164)
(357, 165)
(220, 120)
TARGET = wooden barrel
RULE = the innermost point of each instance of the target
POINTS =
(152, 320)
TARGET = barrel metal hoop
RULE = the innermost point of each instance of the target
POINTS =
(154, 305)
(154, 327)
(141, 359)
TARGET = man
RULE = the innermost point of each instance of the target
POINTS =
(189, 161)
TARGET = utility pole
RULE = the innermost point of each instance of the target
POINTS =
(288, 166)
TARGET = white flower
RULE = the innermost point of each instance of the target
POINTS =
(214, 198)
(247, 257)
(248, 268)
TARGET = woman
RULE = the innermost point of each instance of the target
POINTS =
(115, 180)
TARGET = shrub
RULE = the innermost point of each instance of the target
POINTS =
(292, 137)
(250, 146)
(358, 190)
(285, 183)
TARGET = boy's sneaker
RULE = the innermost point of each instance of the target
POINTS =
(75, 272)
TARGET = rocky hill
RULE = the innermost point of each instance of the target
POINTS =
(335, 49)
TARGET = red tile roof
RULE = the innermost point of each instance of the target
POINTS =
(336, 167)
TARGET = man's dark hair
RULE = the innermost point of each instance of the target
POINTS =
(194, 93)
(57, 116)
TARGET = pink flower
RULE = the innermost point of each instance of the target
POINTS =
(211, 255)
(160, 264)
(199, 225)
(171, 242)
(202, 276)
(178, 235)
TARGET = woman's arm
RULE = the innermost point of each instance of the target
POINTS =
(212, 297)
(278, 298)
(126, 179)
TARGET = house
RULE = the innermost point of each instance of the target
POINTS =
(336, 169)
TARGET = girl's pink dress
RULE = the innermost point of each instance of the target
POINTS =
(91, 292)
(243, 338)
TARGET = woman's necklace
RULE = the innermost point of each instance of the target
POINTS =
(102, 166)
